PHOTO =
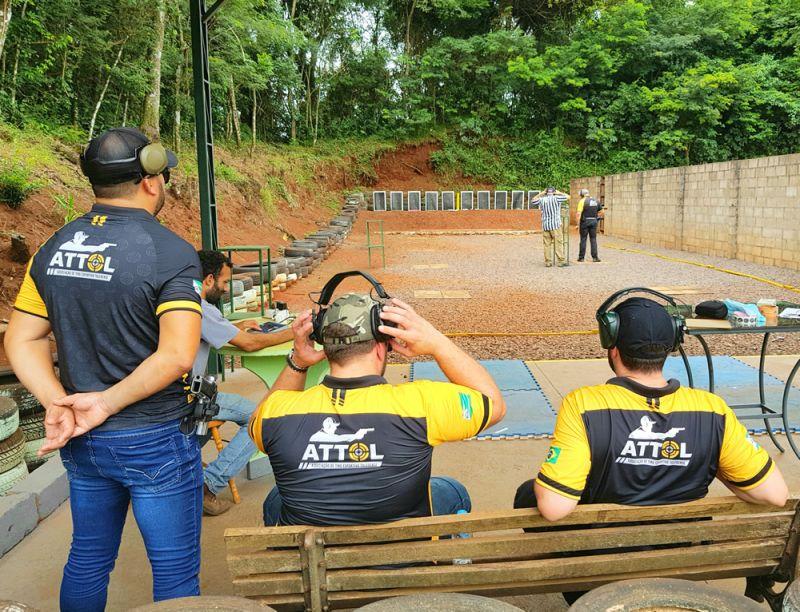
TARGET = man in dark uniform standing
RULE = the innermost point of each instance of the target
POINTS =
(588, 209)
(120, 293)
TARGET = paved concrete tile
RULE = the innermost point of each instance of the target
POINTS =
(18, 517)
(48, 484)
(426, 294)
(397, 373)
(456, 294)
(565, 376)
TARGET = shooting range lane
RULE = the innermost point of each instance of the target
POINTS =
(511, 292)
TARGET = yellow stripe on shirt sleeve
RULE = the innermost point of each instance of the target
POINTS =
(178, 305)
(28, 299)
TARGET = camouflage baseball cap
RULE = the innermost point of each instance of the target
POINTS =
(354, 311)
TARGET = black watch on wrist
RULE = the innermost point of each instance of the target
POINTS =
(290, 362)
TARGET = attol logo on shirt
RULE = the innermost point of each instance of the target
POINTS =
(77, 259)
(647, 447)
(328, 450)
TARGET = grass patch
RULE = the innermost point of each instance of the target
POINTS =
(230, 175)
(65, 206)
(268, 202)
(15, 185)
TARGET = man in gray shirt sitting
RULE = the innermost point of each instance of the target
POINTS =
(218, 331)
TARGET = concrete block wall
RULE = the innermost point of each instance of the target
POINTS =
(744, 209)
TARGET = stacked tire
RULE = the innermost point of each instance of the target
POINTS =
(12, 446)
(31, 423)
(301, 256)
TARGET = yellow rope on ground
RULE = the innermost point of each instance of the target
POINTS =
(708, 266)
(586, 332)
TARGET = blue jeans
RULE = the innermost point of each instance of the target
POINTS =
(447, 495)
(157, 470)
(236, 453)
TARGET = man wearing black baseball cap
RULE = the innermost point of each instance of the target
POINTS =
(121, 295)
(640, 439)
(643, 440)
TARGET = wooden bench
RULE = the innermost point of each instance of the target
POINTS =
(321, 568)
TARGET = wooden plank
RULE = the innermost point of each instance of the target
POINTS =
(516, 519)
(264, 562)
(348, 599)
(272, 537)
(708, 324)
(537, 545)
(575, 567)
(274, 584)
(790, 567)
(259, 538)
(314, 547)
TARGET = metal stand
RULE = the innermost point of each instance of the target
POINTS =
(766, 413)
(375, 245)
(198, 19)
(260, 250)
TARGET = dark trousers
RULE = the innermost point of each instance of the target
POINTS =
(588, 228)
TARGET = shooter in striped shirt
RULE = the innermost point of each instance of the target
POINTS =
(550, 204)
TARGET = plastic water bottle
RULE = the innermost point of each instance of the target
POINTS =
(462, 535)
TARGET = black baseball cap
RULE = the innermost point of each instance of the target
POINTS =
(113, 156)
(646, 329)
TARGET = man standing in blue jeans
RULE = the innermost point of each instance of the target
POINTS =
(217, 331)
(354, 449)
(121, 295)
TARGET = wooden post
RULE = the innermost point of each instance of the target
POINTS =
(314, 565)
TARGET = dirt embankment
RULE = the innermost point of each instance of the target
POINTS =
(409, 168)
(268, 198)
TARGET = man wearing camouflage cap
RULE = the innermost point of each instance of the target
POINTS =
(355, 449)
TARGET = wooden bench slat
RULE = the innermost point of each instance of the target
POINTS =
(278, 584)
(347, 599)
(272, 537)
(264, 562)
(529, 545)
(517, 519)
(260, 538)
(534, 571)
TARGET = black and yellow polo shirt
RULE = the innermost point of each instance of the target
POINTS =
(625, 443)
(103, 281)
(358, 450)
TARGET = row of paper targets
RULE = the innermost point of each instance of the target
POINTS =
(453, 200)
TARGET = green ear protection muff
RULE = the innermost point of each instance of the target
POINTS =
(608, 320)
(318, 316)
(149, 160)
(153, 158)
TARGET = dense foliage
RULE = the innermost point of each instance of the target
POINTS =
(556, 86)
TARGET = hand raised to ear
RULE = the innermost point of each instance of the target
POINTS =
(414, 335)
(305, 353)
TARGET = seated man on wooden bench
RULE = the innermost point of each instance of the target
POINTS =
(642, 440)
(354, 449)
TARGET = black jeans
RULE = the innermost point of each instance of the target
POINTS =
(588, 228)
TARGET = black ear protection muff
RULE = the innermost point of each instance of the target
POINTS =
(150, 160)
(318, 316)
(608, 320)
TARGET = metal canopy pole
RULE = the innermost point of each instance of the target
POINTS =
(204, 134)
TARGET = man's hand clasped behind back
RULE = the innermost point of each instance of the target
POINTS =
(72, 416)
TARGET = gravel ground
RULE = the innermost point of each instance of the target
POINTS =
(512, 291)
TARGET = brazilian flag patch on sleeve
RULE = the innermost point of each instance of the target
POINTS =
(552, 454)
